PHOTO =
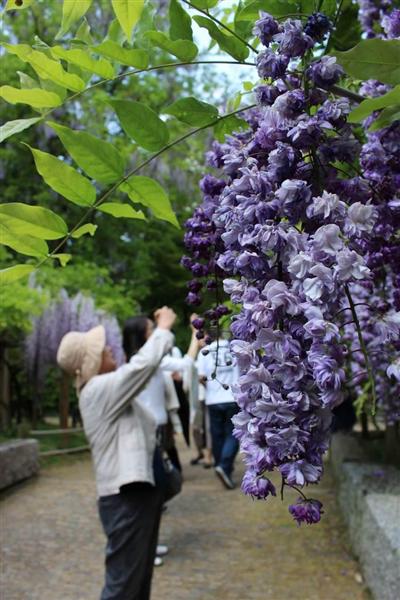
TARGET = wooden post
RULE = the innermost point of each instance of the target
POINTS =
(392, 444)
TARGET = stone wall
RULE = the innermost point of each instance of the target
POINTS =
(369, 496)
(19, 459)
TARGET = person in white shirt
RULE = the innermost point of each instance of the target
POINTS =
(122, 436)
(218, 371)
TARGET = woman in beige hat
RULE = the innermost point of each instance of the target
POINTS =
(122, 436)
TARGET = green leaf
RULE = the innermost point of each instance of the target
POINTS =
(204, 4)
(37, 98)
(115, 33)
(192, 111)
(63, 179)
(11, 127)
(185, 50)
(149, 192)
(82, 59)
(276, 8)
(14, 273)
(227, 43)
(227, 125)
(24, 219)
(347, 32)
(46, 68)
(17, 4)
(388, 116)
(248, 86)
(26, 244)
(180, 23)
(89, 228)
(134, 58)
(63, 258)
(118, 210)
(373, 59)
(83, 33)
(370, 104)
(142, 124)
(73, 10)
(99, 159)
(128, 14)
(26, 81)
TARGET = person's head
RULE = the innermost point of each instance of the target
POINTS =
(135, 334)
(85, 354)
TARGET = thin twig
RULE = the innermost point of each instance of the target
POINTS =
(336, 89)
(132, 172)
(221, 24)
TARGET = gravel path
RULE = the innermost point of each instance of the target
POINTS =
(224, 546)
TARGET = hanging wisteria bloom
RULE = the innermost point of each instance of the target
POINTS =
(305, 244)
(62, 315)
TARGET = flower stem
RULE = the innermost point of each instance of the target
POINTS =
(363, 348)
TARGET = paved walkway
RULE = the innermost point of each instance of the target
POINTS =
(223, 545)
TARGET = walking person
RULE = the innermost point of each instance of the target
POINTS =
(122, 436)
(218, 372)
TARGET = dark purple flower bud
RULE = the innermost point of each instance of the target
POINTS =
(198, 270)
(199, 335)
(256, 486)
(325, 72)
(317, 26)
(211, 284)
(317, 96)
(290, 104)
(391, 24)
(266, 94)
(211, 186)
(293, 41)
(198, 323)
(210, 314)
(270, 64)
(208, 341)
(194, 285)
(282, 162)
(193, 299)
(306, 511)
(186, 262)
(225, 386)
(222, 310)
(265, 28)
(205, 351)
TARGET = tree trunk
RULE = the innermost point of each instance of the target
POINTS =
(5, 395)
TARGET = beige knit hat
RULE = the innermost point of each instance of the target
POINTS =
(80, 354)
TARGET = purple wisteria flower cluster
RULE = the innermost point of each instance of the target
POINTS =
(62, 315)
(302, 228)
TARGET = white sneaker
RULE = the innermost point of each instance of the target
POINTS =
(162, 550)
(158, 561)
(224, 477)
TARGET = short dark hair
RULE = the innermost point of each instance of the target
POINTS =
(134, 334)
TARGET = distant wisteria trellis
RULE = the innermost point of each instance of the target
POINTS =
(65, 314)
(303, 230)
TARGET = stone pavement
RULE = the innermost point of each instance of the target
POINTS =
(224, 546)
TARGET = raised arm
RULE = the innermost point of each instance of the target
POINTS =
(127, 381)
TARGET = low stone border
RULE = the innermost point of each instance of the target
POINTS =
(369, 497)
(19, 459)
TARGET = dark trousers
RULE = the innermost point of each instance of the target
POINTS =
(224, 445)
(131, 520)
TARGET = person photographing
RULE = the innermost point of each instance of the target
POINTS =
(122, 437)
